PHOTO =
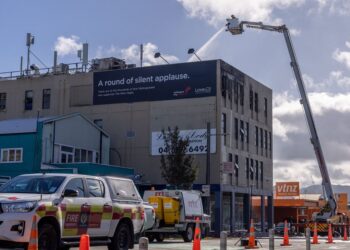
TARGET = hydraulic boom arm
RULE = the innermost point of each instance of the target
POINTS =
(237, 28)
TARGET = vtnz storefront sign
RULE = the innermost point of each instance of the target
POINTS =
(197, 141)
(287, 189)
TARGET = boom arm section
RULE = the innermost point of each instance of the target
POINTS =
(237, 28)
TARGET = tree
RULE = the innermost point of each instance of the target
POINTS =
(177, 168)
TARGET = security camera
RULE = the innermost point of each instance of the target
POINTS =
(34, 67)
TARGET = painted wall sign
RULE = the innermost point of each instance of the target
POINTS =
(287, 189)
(155, 83)
(197, 141)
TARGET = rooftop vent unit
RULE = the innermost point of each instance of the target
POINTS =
(107, 64)
(61, 68)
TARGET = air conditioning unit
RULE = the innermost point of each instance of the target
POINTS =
(61, 68)
(107, 64)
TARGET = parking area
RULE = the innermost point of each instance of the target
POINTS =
(214, 244)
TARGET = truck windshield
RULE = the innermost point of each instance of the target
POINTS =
(33, 184)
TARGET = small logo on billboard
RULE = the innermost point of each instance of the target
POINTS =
(201, 91)
(184, 92)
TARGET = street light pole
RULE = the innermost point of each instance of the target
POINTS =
(207, 179)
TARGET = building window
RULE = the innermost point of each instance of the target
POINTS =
(256, 102)
(265, 140)
(256, 136)
(251, 169)
(261, 138)
(257, 173)
(230, 157)
(223, 86)
(265, 107)
(2, 101)
(241, 94)
(71, 154)
(11, 155)
(247, 168)
(236, 129)
(251, 101)
(262, 174)
(28, 100)
(46, 98)
(236, 166)
(241, 130)
(270, 144)
(223, 126)
(235, 92)
(247, 132)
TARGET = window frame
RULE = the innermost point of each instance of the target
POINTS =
(3, 100)
(46, 99)
(26, 100)
(102, 187)
(8, 155)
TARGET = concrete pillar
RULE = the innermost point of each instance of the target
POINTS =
(233, 214)
(271, 239)
(218, 212)
(270, 211)
(262, 212)
(246, 211)
(223, 240)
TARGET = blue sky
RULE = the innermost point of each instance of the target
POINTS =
(321, 39)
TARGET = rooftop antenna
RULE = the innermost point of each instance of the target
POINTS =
(141, 54)
(83, 55)
(30, 41)
(54, 61)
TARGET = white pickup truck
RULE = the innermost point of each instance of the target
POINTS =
(109, 209)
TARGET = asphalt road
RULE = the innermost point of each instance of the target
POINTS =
(214, 244)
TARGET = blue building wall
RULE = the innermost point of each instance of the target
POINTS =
(29, 142)
(92, 169)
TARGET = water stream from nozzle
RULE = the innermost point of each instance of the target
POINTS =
(201, 51)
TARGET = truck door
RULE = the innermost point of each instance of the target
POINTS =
(74, 209)
(100, 207)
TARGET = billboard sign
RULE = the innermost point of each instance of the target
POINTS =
(197, 141)
(287, 189)
(155, 83)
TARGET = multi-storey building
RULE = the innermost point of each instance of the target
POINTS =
(133, 105)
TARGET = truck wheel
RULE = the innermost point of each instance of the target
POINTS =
(121, 239)
(188, 234)
(160, 237)
(150, 238)
(47, 237)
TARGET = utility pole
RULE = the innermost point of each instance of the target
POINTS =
(207, 181)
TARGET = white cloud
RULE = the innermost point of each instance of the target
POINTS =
(337, 7)
(131, 54)
(295, 32)
(215, 12)
(342, 56)
(67, 45)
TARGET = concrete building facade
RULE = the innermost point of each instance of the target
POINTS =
(134, 105)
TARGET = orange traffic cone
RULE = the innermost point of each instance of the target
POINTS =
(251, 242)
(84, 242)
(285, 235)
(197, 236)
(345, 233)
(315, 236)
(33, 240)
(330, 234)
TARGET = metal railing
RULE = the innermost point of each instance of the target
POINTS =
(72, 68)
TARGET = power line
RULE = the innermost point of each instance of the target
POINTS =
(39, 59)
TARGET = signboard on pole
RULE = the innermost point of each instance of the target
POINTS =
(287, 189)
(205, 190)
(155, 83)
(197, 141)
